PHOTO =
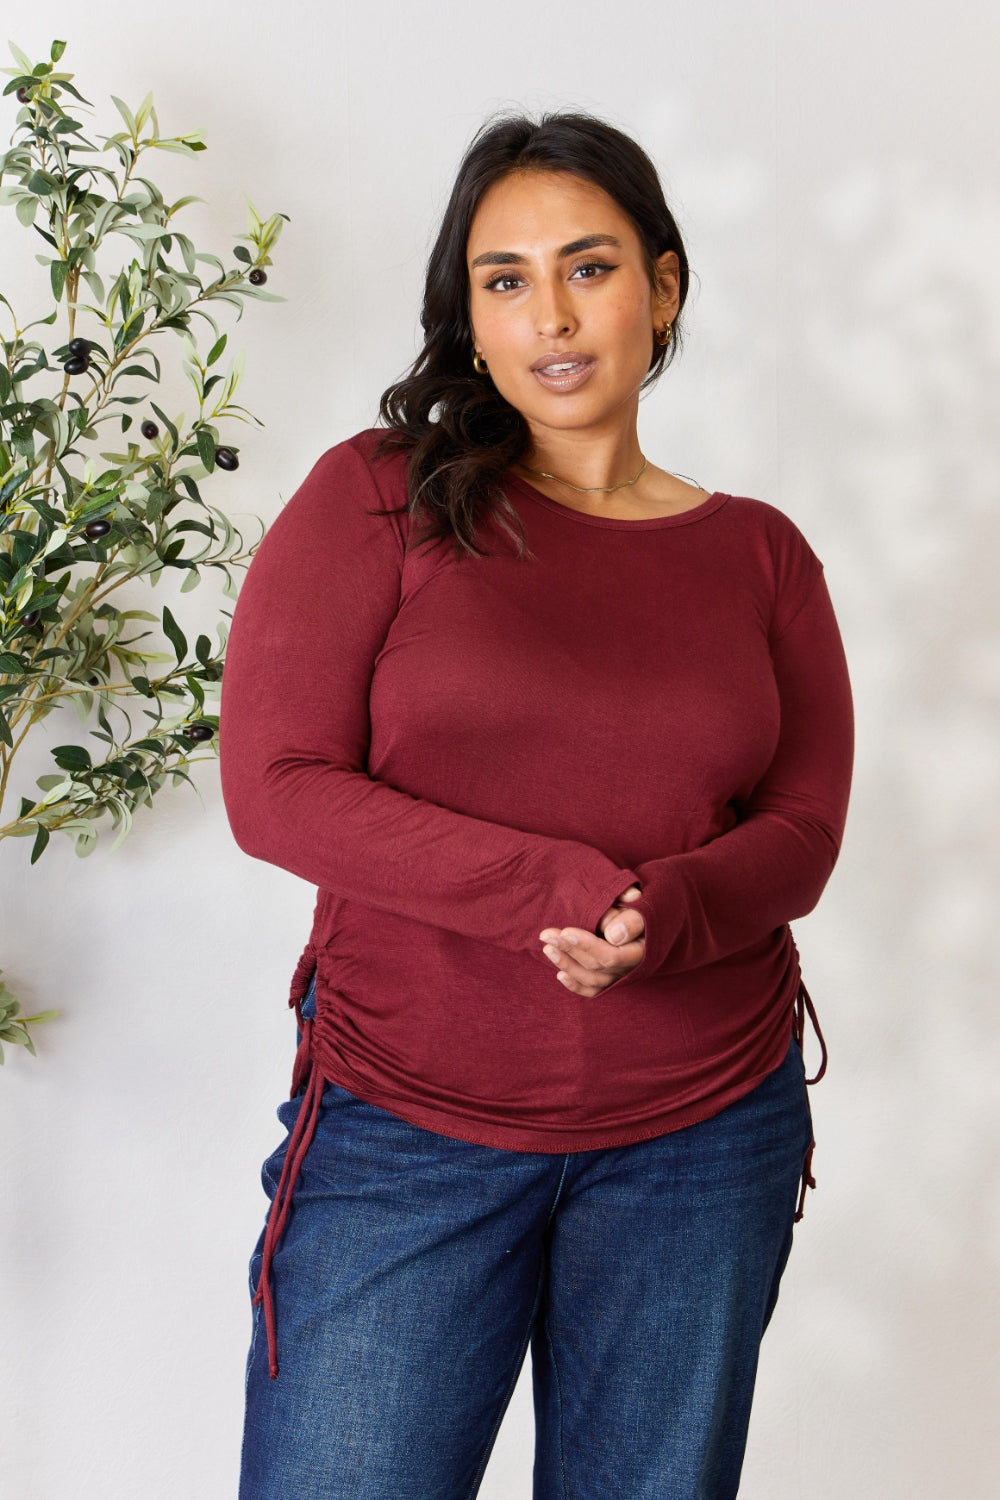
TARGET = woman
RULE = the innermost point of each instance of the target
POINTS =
(564, 741)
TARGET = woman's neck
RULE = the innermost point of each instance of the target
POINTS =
(586, 463)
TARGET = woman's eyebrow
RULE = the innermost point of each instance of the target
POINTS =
(511, 258)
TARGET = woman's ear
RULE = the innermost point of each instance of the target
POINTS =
(667, 293)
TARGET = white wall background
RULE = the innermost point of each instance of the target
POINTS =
(834, 167)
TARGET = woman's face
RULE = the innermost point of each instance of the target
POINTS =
(561, 305)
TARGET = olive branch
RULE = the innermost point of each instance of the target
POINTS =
(84, 511)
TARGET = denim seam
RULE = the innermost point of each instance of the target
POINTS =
(559, 1403)
(551, 1345)
(558, 1191)
(255, 1311)
(477, 1478)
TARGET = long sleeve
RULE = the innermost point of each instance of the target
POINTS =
(772, 866)
(311, 619)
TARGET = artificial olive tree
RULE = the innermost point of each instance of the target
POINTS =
(99, 486)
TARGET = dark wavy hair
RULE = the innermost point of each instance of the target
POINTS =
(461, 435)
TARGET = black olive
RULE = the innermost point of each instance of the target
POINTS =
(226, 458)
(257, 277)
(149, 430)
(23, 94)
(95, 529)
(32, 617)
(199, 731)
(77, 365)
(79, 346)
(94, 681)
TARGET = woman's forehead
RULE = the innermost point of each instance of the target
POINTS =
(529, 211)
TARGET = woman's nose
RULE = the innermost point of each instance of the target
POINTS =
(554, 315)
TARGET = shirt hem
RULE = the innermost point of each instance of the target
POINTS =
(554, 1142)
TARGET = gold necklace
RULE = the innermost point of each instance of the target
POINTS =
(594, 489)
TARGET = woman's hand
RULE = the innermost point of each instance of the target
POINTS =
(586, 963)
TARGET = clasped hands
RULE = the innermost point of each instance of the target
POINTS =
(587, 963)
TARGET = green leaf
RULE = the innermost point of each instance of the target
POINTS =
(23, 547)
(25, 209)
(58, 48)
(206, 448)
(5, 733)
(144, 233)
(19, 57)
(216, 350)
(96, 285)
(57, 272)
(174, 634)
(44, 184)
(11, 665)
(242, 253)
(86, 842)
(22, 441)
(167, 424)
(115, 767)
(261, 296)
(71, 757)
(125, 113)
(65, 84)
(158, 498)
(41, 839)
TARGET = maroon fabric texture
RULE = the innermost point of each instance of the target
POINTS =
(459, 753)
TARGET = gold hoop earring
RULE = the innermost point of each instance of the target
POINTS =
(479, 364)
(662, 335)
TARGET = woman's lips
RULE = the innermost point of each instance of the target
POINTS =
(564, 374)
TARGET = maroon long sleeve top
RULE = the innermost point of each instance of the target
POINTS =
(460, 752)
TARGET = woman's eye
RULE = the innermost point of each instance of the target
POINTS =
(591, 268)
(506, 281)
(503, 282)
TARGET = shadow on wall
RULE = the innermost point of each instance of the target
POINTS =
(884, 327)
(890, 420)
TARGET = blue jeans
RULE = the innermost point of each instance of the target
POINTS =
(415, 1271)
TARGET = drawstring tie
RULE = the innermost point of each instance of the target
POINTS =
(303, 1072)
(804, 1007)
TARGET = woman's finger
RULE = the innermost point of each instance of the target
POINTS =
(588, 957)
(620, 925)
(594, 952)
(586, 982)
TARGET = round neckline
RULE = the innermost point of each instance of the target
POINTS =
(708, 506)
